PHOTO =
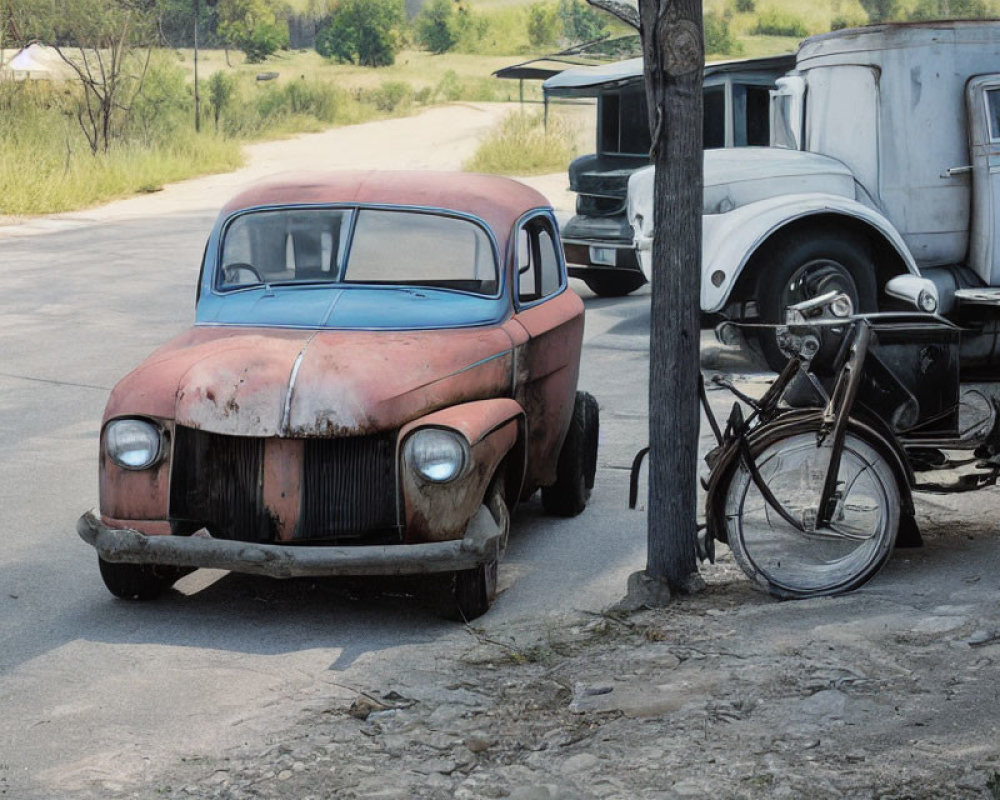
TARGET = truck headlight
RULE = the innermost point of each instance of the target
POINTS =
(927, 301)
(436, 455)
(132, 443)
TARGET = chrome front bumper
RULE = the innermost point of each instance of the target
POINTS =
(480, 545)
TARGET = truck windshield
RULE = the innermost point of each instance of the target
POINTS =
(387, 247)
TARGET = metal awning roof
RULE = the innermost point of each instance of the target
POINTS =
(587, 81)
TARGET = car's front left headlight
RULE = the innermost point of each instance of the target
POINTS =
(132, 443)
(437, 455)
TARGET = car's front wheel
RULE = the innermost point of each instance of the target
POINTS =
(472, 591)
(138, 581)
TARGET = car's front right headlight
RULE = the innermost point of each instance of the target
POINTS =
(437, 455)
(133, 443)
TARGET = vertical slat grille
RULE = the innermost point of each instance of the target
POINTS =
(349, 487)
(216, 481)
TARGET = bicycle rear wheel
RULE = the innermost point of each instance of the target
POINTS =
(791, 563)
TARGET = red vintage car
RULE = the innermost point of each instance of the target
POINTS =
(381, 366)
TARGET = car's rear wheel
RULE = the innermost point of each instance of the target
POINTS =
(568, 496)
(615, 285)
(139, 581)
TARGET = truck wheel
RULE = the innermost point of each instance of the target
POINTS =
(614, 285)
(139, 581)
(577, 466)
(805, 266)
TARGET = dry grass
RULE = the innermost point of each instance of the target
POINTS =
(524, 145)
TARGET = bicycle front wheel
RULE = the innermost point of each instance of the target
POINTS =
(834, 559)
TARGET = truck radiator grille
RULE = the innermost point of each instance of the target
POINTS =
(347, 495)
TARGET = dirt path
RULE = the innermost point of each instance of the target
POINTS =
(440, 138)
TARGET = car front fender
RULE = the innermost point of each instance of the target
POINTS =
(493, 430)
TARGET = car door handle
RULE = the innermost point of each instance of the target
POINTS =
(951, 173)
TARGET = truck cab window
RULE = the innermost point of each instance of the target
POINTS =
(714, 121)
(993, 113)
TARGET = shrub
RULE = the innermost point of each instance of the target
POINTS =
(436, 26)
(163, 104)
(452, 88)
(391, 96)
(543, 25)
(523, 146)
(221, 87)
(775, 22)
(953, 9)
(880, 10)
(746, 6)
(365, 32)
(581, 22)
(719, 38)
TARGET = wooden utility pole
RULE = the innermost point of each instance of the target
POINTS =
(673, 51)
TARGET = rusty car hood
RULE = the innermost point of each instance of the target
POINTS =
(246, 381)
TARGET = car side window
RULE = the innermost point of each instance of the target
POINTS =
(539, 273)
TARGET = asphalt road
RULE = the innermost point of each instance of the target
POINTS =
(96, 692)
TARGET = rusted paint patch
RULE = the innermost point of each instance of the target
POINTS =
(548, 371)
(282, 484)
(135, 494)
(438, 512)
(499, 202)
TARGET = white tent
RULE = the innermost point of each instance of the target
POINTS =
(38, 62)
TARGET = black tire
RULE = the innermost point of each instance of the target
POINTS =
(612, 285)
(474, 591)
(470, 592)
(577, 466)
(139, 581)
(806, 265)
(792, 564)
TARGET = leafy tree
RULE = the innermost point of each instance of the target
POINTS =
(580, 22)
(719, 38)
(880, 10)
(106, 44)
(949, 9)
(175, 19)
(253, 27)
(543, 25)
(365, 32)
(436, 26)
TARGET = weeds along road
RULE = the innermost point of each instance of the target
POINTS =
(96, 694)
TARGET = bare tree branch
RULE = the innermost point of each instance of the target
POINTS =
(618, 8)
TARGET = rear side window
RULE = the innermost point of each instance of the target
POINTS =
(539, 273)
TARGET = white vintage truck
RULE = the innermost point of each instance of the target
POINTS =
(884, 160)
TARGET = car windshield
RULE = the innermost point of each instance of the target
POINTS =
(390, 247)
